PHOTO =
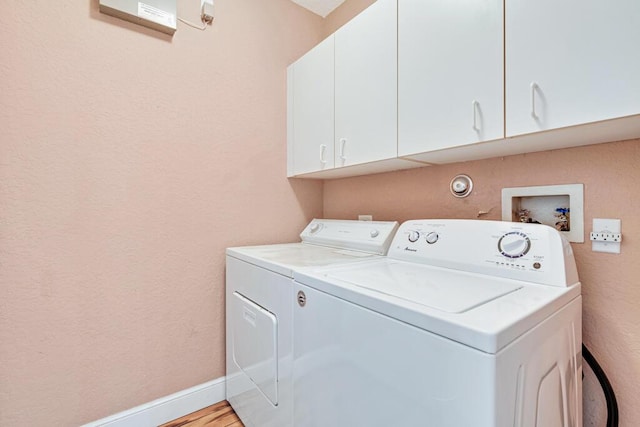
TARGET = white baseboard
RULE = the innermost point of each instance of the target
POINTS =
(167, 408)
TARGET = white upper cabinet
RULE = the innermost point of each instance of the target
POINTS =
(450, 74)
(413, 82)
(570, 62)
(311, 110)
(366, 86)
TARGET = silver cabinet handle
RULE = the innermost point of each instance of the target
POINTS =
(534, 87)
(474, 107)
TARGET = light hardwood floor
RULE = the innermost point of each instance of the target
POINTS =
(219, 415)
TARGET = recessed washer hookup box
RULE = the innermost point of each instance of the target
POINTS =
(159, 15)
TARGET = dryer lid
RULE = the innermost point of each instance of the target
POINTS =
(284, 258)
(437, 289)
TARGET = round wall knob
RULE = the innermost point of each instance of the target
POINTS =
(461, 186)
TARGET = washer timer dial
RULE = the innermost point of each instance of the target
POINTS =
(514, 244)
(432, 237)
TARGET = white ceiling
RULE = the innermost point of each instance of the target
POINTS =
(321, 7)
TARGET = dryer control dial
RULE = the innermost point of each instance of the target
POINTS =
(315, 227)
(374, 233)
(514, 244)
(414, 236)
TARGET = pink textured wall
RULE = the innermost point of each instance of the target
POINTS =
(129, 160)
(343, 14)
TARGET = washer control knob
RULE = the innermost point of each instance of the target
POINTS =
(315, 227)
(414, 236)
(374, 233)
(432, 237)
(514, 244)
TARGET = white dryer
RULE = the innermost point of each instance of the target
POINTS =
(259, 310)
(464, 324)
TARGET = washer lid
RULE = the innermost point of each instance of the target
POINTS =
(478, 310)
(430, 288)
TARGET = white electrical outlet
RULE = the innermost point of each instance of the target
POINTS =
(606, 235)
(365, 217)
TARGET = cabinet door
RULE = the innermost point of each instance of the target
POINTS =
(312, 110)
(450, 73)
(366, 86)
(570, 62)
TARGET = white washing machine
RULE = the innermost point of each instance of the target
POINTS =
(464, 324)
(259, 310)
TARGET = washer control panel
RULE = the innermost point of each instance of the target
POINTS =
(430, 237)
(531, 252)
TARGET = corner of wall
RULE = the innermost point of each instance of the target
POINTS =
(342, 14)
